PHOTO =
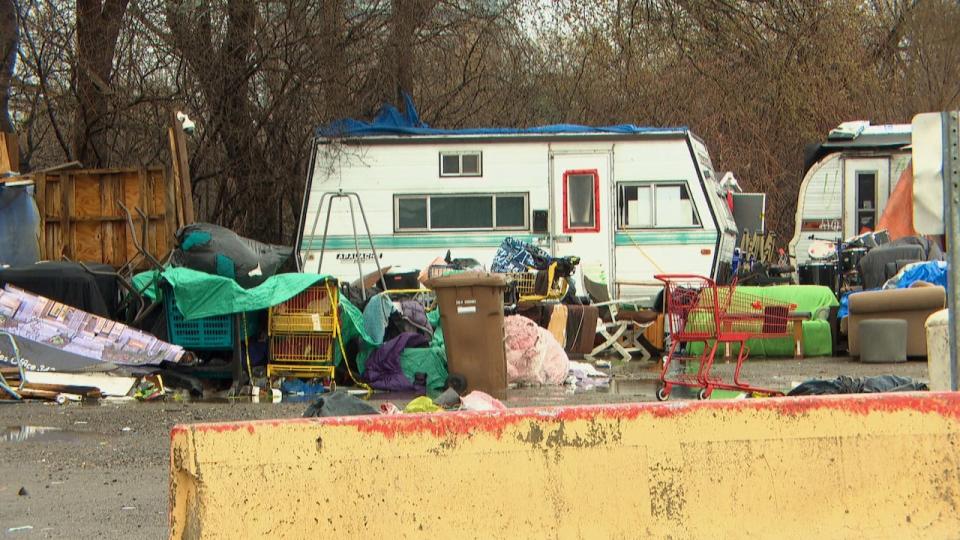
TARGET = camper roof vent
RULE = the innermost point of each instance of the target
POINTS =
(848, 131)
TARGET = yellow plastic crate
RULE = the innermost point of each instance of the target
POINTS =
(310, 311)
(303, 371)
(308, 348)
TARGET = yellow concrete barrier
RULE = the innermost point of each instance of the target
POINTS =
(883, 466)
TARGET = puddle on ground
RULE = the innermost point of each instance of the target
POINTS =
(631, 387)
(17, 434)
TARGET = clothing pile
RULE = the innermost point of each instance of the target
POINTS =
(533, 354)
(574, 327)
(394, 327)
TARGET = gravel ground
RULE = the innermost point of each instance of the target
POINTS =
(103, 473)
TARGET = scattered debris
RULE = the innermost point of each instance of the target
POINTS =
(851, 385)
(479, 401)
(339, 403)
(449, 399)
(422, 404)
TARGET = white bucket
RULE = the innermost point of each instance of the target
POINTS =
(938, 350)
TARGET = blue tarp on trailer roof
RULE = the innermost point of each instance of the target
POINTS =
(390, 121)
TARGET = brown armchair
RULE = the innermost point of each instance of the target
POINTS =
(913, 305)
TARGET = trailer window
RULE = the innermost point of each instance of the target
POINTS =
(866, 201)
(461, 212)
(581, 212)
(461, 164)
(465, 212)
(655, 205)
(412, 213)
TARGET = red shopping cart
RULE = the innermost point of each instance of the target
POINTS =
(700, 311)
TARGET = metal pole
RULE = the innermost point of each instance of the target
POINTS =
(951, 181)
(313, 231)
(356, 249)
(326, 228)
(373, 248)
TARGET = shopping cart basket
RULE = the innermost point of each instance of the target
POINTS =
(700, 311)
(525, 285)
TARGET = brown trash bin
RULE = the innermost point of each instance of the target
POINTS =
(471, 316)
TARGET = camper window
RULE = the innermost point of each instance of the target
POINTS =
(471, 211)
(580, 191)
(655, 205)
(460, 164)
(866, 201)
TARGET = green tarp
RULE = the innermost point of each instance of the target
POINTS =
(814, 299)
(431, 359)
(201, 295)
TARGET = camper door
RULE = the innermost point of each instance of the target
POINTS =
(581, 208)
(866, 189)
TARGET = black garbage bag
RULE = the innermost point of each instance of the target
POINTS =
(339, 403)
(851, 385)
(219, 251)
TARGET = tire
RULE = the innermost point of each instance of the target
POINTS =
(702, 394)
(457, 382)
(663, 394)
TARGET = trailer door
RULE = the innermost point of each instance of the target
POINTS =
(867, 187)
(581, 209)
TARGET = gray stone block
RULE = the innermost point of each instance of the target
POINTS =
(883, 340)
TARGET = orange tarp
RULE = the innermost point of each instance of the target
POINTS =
(897, 218)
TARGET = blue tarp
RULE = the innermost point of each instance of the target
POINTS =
(390, 121)
(19, 226)
(934, 272)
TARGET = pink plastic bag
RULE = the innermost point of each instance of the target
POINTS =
(479, 401)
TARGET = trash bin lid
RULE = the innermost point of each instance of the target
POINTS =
(468, 279)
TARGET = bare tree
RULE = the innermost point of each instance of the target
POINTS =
(98, 27)
(758, 80)
(9, 41)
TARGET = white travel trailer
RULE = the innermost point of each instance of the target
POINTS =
(847, 183)
(631, 201)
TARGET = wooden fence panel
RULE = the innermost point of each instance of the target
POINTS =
(82, 220)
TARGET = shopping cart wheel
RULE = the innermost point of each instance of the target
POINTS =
(663, 393)
(703, 394)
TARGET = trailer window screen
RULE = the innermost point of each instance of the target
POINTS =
(461, 212)
(412, 214)
(580, 210)
(866, 201)
(466, 212)
(461, 164)
(511, 211)
(656, 205)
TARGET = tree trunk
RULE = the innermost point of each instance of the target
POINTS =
(223, 71)
(9, 40)
(406, 18)
(98, 27)
(334, 60)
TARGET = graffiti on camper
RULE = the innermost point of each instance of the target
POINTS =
(832, 225)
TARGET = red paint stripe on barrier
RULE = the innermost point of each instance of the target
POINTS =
(946, 404)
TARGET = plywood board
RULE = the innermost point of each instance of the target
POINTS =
(82, 220)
